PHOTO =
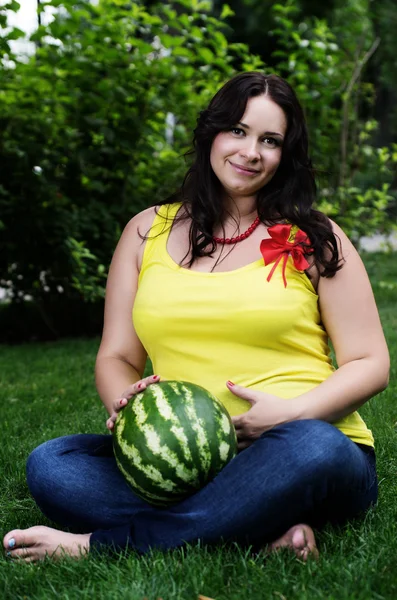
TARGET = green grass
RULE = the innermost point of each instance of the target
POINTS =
(47, 390)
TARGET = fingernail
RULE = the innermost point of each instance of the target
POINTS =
(139, 386)
(11, 543)
(8, 554)
(156, 376)
(231, 383)
(121, 401)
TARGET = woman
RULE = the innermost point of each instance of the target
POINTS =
(236, 278)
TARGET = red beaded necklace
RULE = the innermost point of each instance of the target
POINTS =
(240, 237)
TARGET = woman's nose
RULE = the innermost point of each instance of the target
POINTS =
(250, 151)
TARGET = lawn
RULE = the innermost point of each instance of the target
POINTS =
(47, 390)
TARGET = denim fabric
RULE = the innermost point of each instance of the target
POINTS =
(303, 471)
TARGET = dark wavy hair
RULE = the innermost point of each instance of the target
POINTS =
(289, 195)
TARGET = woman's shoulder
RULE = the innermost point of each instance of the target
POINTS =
(140, 228)
(345, 245)
(132, 238)
(143, 221)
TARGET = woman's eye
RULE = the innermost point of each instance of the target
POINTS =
(270, 141)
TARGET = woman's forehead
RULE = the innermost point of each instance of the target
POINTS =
(262, 113)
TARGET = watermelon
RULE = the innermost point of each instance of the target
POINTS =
(171, 440)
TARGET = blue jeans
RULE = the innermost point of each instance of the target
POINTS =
(303, 471)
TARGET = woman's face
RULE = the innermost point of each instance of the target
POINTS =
(246, 157)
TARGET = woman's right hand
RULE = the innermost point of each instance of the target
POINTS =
(132, 390)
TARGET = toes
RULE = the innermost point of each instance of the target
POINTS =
(23, 537)
(304, 543)
(13, 539)
(19, 553)
(309, 553)
(299, 539)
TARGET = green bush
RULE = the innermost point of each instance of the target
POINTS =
(94, 125)
(83, 133)
(326, 67)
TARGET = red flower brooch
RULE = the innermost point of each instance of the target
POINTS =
(279, 247)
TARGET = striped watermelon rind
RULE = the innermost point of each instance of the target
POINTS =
(171, 440)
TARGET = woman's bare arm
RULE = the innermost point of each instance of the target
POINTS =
(351, 319)
(121, 357)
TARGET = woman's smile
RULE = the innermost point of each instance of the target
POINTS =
(246, 171)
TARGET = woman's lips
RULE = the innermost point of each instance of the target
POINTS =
(244, 170)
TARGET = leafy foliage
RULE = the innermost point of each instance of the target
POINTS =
(93, 127)
(92, 130)
(326, 67)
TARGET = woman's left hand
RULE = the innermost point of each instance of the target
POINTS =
(266, 412)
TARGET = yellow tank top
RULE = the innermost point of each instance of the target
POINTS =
(207, 328)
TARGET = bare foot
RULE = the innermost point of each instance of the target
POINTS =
(300, 538)
(38, 542)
